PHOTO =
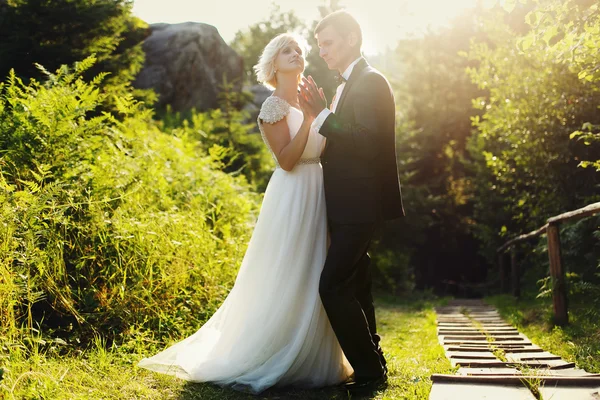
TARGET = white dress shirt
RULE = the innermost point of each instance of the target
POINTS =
(318, 122)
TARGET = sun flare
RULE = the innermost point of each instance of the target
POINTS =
(384, 22)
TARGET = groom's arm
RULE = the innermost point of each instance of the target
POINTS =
(362, 134)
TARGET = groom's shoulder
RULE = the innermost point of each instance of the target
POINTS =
(371, 76)
(375, 72)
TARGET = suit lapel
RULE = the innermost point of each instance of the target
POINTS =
(362, 64)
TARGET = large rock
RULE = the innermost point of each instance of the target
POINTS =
(259, 94)
(186, 63)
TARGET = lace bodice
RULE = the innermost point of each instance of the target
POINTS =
(273, 110)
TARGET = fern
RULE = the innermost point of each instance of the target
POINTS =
(105, 216)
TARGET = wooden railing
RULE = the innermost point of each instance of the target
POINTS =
(557, 272)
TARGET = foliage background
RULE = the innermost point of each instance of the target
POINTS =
(120, 223)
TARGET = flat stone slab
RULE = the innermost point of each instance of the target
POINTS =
(498, 325)
(471, 391)
(467, 371)
(549, 364)
(484, 338)
(555, 381)
(530, 349)
(470, 325)
(490, 319)
(477, 363)
(474, 329)
(530, 356)
(570, 372)
(444, 332)
(482, 348)
(462, 335)
(496, 343)
(478, 355)
(570, 393)
(468, 340)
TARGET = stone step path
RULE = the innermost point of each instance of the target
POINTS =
(497, 362)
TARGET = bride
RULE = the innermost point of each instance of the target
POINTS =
(272, 329)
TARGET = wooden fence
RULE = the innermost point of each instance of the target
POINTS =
(557, 271)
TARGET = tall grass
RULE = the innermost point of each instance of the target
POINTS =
(109, 226)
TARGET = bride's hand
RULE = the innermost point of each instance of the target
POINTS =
(307, 110)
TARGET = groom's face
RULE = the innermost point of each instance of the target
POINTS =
(334, 48)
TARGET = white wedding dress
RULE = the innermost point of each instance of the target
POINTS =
(272, 329)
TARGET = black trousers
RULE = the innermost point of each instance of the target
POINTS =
(345, 289)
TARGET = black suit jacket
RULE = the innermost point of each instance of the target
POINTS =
(359, 162)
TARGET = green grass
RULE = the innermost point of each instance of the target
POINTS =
(577, 342)
(409, 339)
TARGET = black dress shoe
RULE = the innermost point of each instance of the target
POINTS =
(348, 380)
(364, 384)
(382, 360)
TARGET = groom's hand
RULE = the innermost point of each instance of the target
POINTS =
(312, 97)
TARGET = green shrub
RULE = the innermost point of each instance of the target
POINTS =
(109, 225)
(231, 128)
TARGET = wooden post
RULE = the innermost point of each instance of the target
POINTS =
(514, 270)
(502, 272)
(557, 274)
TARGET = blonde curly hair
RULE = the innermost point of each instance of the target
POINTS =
(265, 69)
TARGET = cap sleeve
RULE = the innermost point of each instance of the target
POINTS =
(273, 109)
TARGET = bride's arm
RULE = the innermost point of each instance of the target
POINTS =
(287, 151)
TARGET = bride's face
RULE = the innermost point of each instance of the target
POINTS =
(290, 59)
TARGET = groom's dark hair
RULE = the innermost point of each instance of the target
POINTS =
(343, 22)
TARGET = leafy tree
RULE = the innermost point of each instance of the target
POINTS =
(56, 32)
(434, 101)
(534, 105)
(525, 164)
(250, 43)
(570, 32)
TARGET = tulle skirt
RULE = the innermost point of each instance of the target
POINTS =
(271, 330)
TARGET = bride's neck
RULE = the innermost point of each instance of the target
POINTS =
(287, 89)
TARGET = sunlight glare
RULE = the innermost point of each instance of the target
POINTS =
(384, 22)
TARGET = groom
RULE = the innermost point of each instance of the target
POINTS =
(361, 188)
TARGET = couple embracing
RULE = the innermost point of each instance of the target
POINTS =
(301, 311)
